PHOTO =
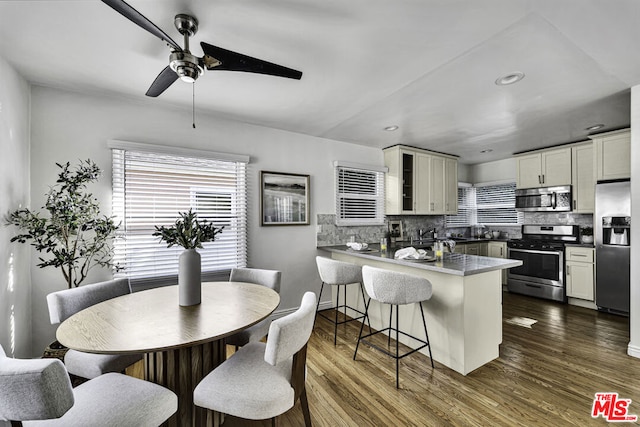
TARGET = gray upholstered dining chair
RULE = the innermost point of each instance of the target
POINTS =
(394, 288)
(264, 380)
(268, 278)
(37, 392)
(340, 274)
(64, 304)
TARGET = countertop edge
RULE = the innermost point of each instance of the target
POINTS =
(500, 263)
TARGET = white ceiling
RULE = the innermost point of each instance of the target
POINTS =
(428, 66)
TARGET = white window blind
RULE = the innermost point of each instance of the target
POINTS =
(466, 208)
(359, 195)
(496, 204)
(490, 204)
(150, 189)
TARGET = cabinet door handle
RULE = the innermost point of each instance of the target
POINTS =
(543, 178)
(539, 180)
(568, 271)
(575, 204)
(501, 254)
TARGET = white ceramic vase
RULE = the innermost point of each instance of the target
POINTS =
(189, 278)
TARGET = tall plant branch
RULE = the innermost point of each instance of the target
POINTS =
(73, 237)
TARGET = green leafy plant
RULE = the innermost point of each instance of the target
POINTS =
(188, 231)
(73, 235)
(586, 231)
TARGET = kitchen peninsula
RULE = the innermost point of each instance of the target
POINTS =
(464, 315)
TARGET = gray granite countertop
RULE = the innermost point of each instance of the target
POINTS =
(581, 245)
(456, 264)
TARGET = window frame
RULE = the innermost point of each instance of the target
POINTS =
(475, 208)
(229, 249)
(375, 215)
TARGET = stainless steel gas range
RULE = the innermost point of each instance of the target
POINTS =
(541, 251)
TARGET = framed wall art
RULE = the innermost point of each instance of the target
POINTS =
(284, 198)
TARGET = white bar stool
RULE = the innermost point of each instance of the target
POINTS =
(340, 274)
(390, 287)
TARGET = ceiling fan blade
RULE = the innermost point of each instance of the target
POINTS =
(162, 82)
(139, 19)
(233, 61)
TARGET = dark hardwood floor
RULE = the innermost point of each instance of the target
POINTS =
(545, 376)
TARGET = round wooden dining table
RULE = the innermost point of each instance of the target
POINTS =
(181, 344)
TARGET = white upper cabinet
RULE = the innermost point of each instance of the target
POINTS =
(451, 186)
(583, 178)
(420, 182)
(612, 154)
(436, 185)
(546, 168)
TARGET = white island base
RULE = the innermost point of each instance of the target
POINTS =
(464, 315)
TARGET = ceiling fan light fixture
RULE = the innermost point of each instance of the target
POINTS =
(187, 74)
(392, 128)
(186, 66)
(509, 79)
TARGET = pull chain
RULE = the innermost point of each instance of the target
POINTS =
(193, 111)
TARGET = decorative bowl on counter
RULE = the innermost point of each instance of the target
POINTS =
(496, 234)
(587, 239)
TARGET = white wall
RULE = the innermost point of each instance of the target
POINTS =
(15, 259)
(68, 126)
(634, 308)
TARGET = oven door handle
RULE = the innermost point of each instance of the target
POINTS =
(533, 251)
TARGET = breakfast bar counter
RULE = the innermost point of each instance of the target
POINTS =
(464, 314)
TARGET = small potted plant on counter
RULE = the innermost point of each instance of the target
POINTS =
(586, 234)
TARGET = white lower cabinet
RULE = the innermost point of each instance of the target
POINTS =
(479, 249)
(498, 250)
(579, 272)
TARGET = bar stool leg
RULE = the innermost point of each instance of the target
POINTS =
(397, 349)
(319, 297)
(335, 326)
(390, 316)
(366, 316)
(365, 304)
(426, 334)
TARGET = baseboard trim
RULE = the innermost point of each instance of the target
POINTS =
(633, 350)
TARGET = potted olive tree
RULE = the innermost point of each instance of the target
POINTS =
(190, 233)
(70, 233)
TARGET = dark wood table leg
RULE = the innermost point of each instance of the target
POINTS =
(180, 370)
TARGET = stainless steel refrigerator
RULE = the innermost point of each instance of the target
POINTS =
(612, 223)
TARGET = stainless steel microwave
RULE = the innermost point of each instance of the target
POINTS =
(555, 199)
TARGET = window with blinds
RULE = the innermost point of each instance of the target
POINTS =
(466, 208)
(492, 204)
(150, 189)
(496, 205)
(359, 195)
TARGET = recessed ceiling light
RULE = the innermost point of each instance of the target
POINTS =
(510, 78)
(594, 127)
(391, 128)
(488, 150)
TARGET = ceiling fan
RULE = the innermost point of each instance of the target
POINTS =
(188, 67)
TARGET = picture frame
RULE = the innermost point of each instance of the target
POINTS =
(395, 229)
(284, 198)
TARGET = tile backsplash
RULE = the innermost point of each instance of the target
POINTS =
(329, 233)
